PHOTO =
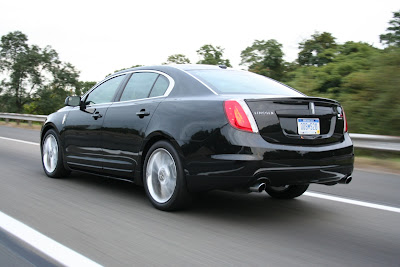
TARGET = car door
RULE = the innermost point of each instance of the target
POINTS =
(126, 121)
(82, 131)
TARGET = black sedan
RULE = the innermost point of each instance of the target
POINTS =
(183, 129)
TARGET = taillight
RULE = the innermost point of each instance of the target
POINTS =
(345, 121)
(239, 115)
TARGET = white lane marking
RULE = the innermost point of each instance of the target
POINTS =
(354, 202)
(48, 246)
(21, 141)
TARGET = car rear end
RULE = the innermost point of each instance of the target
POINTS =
(309, 140)
(280, 138)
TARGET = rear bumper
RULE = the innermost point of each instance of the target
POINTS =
(255, 159)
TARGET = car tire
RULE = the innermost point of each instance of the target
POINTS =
(164, 178)
(286, 192)
(52, 155)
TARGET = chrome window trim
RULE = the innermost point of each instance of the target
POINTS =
(200, 81)
(96, 105)
(167, 92)
(99, 104)
(140, 99)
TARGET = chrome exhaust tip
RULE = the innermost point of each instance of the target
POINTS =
(346, 180)
(258, 187)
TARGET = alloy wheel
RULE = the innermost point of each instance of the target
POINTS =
(161, 175)
(50, 153)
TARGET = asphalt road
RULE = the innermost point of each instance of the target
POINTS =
(113, 223)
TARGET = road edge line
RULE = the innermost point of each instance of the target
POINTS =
(44, 244)
(20, 141)
(354, 202)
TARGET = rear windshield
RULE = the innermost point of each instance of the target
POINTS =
(242, 82)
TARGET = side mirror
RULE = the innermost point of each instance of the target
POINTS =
(72, 101)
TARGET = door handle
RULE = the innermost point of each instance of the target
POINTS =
(97, 115)
(142, 113)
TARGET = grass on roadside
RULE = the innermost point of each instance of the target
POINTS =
(377, 160)
(22, 124)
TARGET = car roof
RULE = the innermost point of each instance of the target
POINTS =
(197, 66)
(184, 67)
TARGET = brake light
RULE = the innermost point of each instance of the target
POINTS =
(237, 117)
(345, 121)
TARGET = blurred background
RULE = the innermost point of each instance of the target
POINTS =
(348, 51)
(345, 50)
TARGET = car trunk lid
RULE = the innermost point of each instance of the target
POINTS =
(298, 120)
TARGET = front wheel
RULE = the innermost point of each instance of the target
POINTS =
(287, 191)
(52, 158)
(164, 179)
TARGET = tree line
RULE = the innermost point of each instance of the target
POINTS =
(365, 79)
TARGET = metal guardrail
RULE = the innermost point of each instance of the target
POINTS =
(23, 117)
(367, 141)
(376, 142)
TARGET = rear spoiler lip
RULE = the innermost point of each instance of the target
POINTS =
(294, 99)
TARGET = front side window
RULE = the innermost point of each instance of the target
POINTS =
(139, 86)
(104, 93)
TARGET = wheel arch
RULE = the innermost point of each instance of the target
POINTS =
(46, 128)
(150, 140)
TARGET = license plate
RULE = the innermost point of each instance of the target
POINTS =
(308, 126)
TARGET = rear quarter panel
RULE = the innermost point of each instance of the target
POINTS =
(190, 124)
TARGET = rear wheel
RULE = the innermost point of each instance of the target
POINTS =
(287, 191)
(164, 179)
(52, 158)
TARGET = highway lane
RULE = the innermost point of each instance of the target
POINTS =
(371, 186)
(29, 135)
(112, 222)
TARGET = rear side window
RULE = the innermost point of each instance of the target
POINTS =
(159, 87)
(242, 82)
(139, 86)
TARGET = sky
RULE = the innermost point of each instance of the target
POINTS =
(100, 37)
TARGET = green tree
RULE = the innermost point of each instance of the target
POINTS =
(51, 97)
(327, 80)
(177, 59)
(83, 87)
(371, 97)
(212, 55)
(318, 50)
(265, 58)
(364, 79)
(12, 45)
(392, 38)
(29, 71)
